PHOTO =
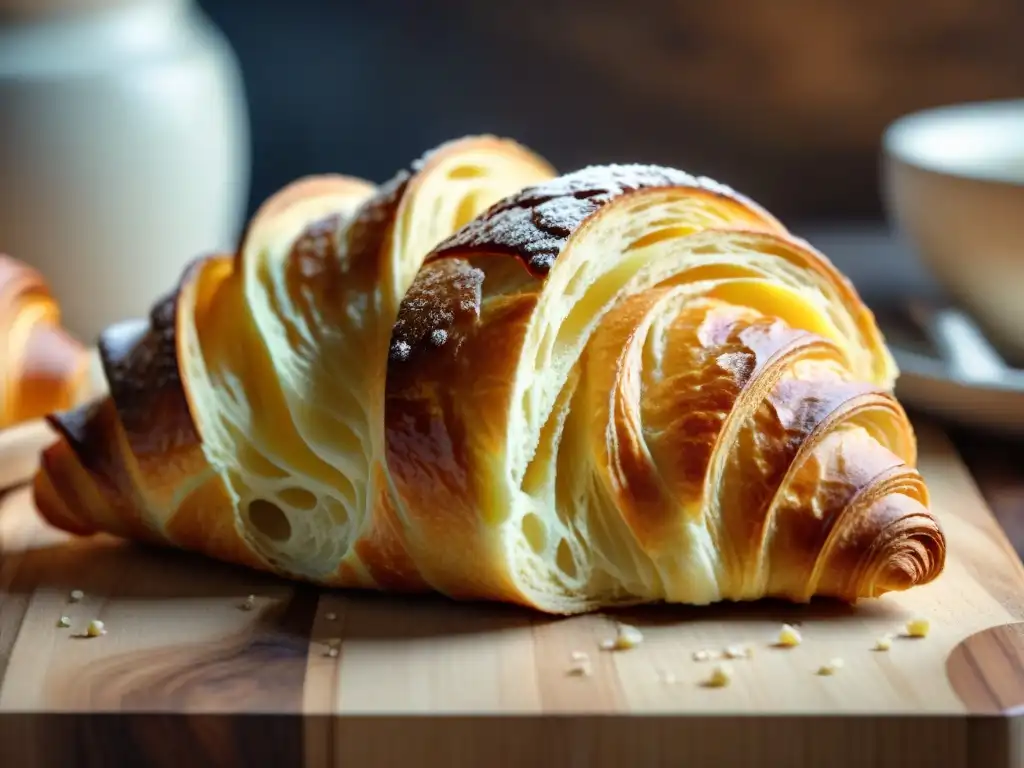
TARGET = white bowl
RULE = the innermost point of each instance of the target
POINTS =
(954, 184)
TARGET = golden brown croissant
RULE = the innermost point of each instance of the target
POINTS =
(44, 368)
(622, 385)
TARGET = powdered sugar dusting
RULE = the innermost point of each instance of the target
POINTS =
(400, 350)
(443, 295)
(535, 223)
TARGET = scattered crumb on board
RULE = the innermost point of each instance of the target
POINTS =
(789, 636)
(830, 667)
(626, 637)
(738, 652)
(579, 665)
(720, 677)
(918, 627)
(333, 647)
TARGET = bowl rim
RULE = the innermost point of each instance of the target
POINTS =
(902, 138)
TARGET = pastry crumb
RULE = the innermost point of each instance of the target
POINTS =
(738, 652)
(721, 676)
(248, 604)
(702, 655)
(76, 595)
(918, 627)
(581, 669)
(789, 636)
(64, 622)
(884, 643)
(627, 637)
(580, 664)
(831, 667)
(333, 647)
(95, 628)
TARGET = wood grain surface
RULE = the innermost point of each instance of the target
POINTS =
(185, 674)
(984, 670)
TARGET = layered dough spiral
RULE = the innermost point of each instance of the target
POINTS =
(44, 368)
(617, 386)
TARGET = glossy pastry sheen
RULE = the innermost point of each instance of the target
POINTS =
(43, 367)
(622, 385)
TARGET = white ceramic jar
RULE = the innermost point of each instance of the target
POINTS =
(124, 149)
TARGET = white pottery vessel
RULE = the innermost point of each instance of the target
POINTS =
(124, 149)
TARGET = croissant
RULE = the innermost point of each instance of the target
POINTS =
(618, 386)
(44, 368)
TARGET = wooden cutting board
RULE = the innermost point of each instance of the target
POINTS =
(186, 675)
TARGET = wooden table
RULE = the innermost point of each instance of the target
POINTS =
(316, 679)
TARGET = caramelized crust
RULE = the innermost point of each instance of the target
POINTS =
(141, 368)
(536, 224)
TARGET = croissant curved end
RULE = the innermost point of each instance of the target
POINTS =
(914, 554)
(44, 367)
(617, 386)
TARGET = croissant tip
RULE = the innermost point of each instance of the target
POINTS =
(918, 561)
(896, 577)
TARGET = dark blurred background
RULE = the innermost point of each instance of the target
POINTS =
(784, 100)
